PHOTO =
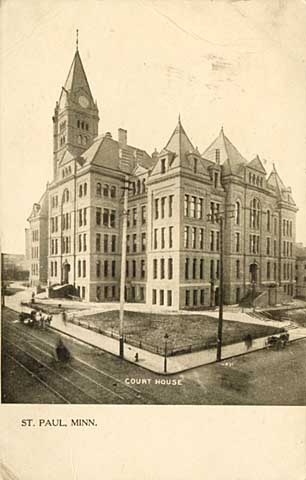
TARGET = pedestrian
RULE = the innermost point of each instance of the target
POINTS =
(248, 341)
(64, 318)
(33, 297)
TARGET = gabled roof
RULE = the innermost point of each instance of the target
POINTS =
(77, 79)
(230, 157)
(41, 208)
(256, 164)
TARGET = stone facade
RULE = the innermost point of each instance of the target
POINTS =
(176, 200)
(300, 270)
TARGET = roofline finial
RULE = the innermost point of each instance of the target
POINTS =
(179, 118)
(222, 131)
(77, 40)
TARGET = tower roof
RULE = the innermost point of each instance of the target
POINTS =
(76, 78)
(179, 142)
(229, 156)
(283, 192)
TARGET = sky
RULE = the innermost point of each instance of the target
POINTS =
(240, 64)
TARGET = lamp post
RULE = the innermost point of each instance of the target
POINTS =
(123, 267)
(221, 293)
(166, 352)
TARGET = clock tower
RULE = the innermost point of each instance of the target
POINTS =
(76, 116)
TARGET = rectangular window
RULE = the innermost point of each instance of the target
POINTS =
(113, 268)
(80, 218)
(202, 269)
(106, 217)
(127, 243)
(212, 212)
(163, 165)
(84, 216)
(134, 242)
(200, 208)
(212, 240)
(170, 205)
(237, 269)
(155, 268)
(105, 243)
(187, 298)
(218, 269)
(163, 237)
(195, 297)
(156, 203)
(274, 248)
(162, 268)
(201, 238)
(105, 268)
(155, 242)
(134, 216)
(84, 242)
(79, 268)
(142, 268)
(113, 243)
(127, 268)
(98, 216)
(193, 207)
(128, 218)
(237, 242)
(170, 237)
(268, 246)
(143, 242)
(169, 298)
(170, 268)
(212, 270)
(113, 219)
(134, 268)
(80, 243)
(202, 296)
(217, 241)
(193, 237)
(161, 297)
(141, 294)
(186, 268)
(186, 205)
(162, 207)
(84, 268)
(186, 237)
(154, 296)
(268, 270)
(143, 214)
(105, 292)
(194, 268)
(98, 268)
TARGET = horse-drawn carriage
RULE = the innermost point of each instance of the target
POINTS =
(34, 318)
(277, 342)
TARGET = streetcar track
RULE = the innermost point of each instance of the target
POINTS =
(77, 371)
(54, 371)
(102, 372)
(38, 378)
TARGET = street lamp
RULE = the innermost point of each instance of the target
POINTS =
(166, 351)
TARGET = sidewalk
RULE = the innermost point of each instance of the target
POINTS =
(155, 363)
(151, 361)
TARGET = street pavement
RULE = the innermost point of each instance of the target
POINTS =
(148, 360)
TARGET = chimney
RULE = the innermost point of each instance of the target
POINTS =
(122, 136)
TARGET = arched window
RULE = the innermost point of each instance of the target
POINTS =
(105, 190)
(254, 213)
(113, 191)
(143, 185)
(237, 212)
(268, 220)
(138, 186)
(98, 189)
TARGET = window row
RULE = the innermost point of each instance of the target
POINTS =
(66, 171)
(82, 139)
(138, 187)
(81, 268)
(214, 211)
(82, 242)
(159, 237)
(162, 268)
(34, 269)
(109, 268)
(194, 268)
(109, 292)
(82, 214)
(109, 217)
(164, 297)
(163, 206)
(83, 189)
(66, 221)
(287, 228)
(108, 191)
(134, 248)
(54, 201)
(54, 246)
(193, 206)
(197, 296)
(132, 221)
(254, 244)
(287, 249)
(53, 269)
(54, 224)
(109, 243)
(82, 125)
(131, 269)
(255, 180)
(66, 245)
(194, 237)
(287, 271)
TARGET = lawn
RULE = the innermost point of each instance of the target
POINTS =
(186, 332)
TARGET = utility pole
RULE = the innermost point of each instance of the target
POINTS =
(123, 266)
(221, 288)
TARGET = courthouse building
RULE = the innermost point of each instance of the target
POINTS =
(176, 197)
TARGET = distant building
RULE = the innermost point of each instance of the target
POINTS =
(173, 236)
(300, 270)
(14, 267)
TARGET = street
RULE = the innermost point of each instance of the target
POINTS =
(31, 374)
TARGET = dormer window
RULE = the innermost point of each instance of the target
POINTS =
(163, 165)
(217, 153)
(216, 179)
(195, 165)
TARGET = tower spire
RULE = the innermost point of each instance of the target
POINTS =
(77, 40)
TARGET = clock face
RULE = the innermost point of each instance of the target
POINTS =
(83, 101)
